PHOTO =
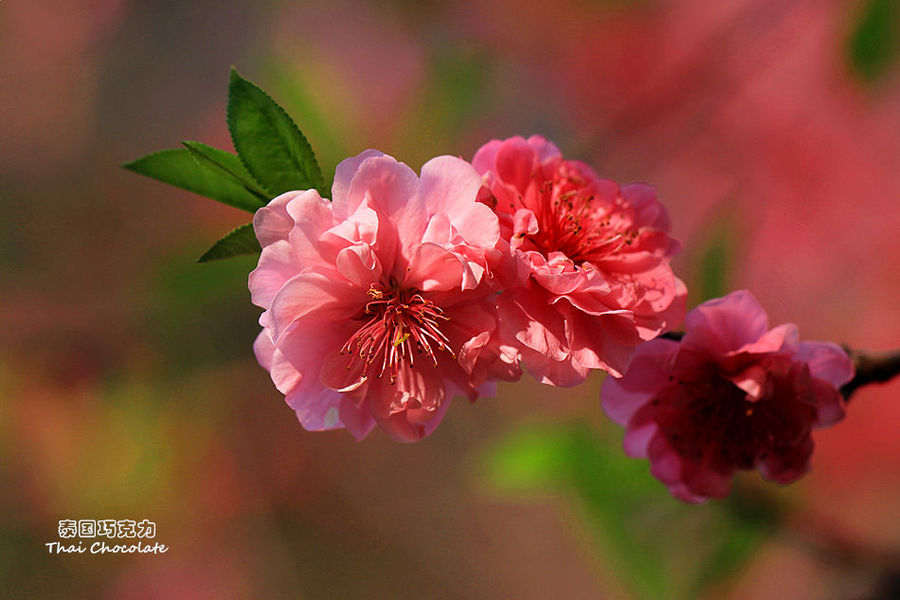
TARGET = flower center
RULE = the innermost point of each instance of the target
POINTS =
(714, 421)
(572, 220)
(402, 324)
(714, 416)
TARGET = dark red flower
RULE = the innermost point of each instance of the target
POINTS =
(732, 394)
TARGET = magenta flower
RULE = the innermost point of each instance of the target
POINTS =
(376, 307)
(732, 394)
(588, 275)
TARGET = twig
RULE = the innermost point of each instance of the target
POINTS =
(871, 367)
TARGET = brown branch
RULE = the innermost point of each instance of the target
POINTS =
(871, 367)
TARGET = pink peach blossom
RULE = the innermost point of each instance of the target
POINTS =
(732, 394)
(588, 276)
(376, 307)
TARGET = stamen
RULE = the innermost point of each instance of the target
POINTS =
(572, 221)
(401, 321)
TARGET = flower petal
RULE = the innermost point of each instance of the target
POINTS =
(648, 373)
(313, 292)
(826, 361)
(343, 176)
(726, 324)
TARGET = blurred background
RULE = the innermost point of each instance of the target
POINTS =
(128, 383)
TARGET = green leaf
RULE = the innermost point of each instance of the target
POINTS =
(659, 546)
(873, 43)
(311, 106)
(240, 241)
(269, 143)
(229, 166)
(178, 167)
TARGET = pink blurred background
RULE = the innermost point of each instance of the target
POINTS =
(129, 386)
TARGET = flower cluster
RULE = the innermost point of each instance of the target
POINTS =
(404, 291)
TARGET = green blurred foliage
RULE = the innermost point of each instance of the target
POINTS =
(198, 315)
(712, 260)
(873, 44)
(660, 547)
(456, 90)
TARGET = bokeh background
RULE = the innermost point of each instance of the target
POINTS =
(128, 387)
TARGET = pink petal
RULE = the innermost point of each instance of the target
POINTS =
(343, 175)
(826, 361)
(752, 380)
(788, 465)
(359, 265)
(650, 212)
(432, 268)
(272, 222)
(317, 407)
(829, 403)
(703, 482)
(439, 230)
(646, 376)
(665, 464)
(605, 342)
(638, 439)
(524, 223)
(726, 324)
(477, 225)
(389, 188)
(558, 275)
(360, 227)
(539, 327)
(681, 491)
(544, 149)
(411, 408)
(515, 162)
(263, 349)
(277, 263)
(449, 185)
(357, 419)
(469, 352)
(771, 341)
(485, 158)
(312, 292)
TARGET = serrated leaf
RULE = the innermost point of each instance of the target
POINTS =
(229, 166)
(178, 167)
(240, 241)
(268, 142)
